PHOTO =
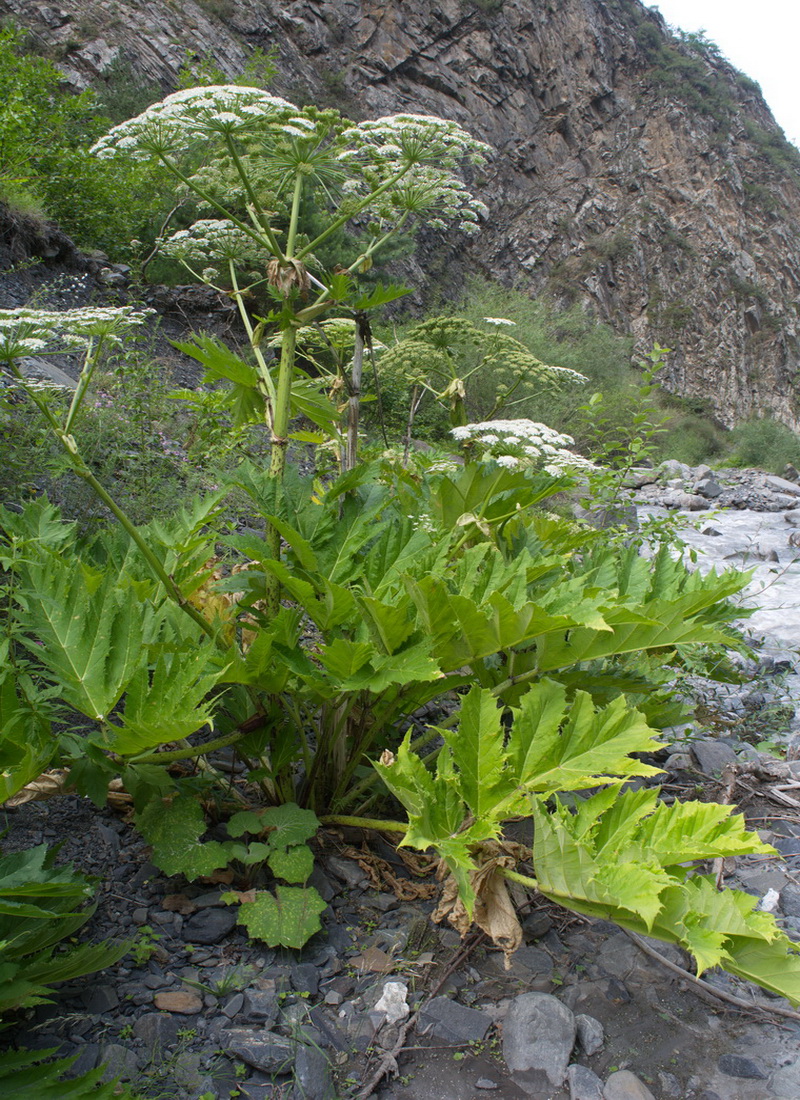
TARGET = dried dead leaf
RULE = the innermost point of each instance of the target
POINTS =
(494, 912)
(224, 877)
(178, 903)
(373, 960)
(244, 895)
(47, 785)
(382, 877)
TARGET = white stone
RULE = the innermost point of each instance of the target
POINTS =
(393, 1002)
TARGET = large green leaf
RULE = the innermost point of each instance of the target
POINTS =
(86, 630)
(174, 827)
(168, 703)
(620, 865)
(27, 1074)
(27, 744)
(286, 829)
(477, 749)
(288, 919)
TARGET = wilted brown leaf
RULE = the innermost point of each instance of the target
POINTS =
(494, 913)
(382, 877)
(178, 903)
(47, 785)
(373, 960)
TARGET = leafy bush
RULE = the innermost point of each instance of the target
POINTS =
(346, 607)
(56, 177)
(764, 443)
(42, 905)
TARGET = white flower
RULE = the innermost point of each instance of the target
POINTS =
(193, 113)
(498, 321)
(532, 441)
(215, 239)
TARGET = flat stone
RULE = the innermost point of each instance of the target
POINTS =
(536, 925)
(534, 959)
(737, 1065)
(88, 1053)
(708, 488)
(785, 1082)
(305, 978)
(782, 485)
(486, 1084)
(187, 1072)
(262, 1050)
(345, 869)
(584, 1084)
(790, 900)
(590, 1033)
(182, 1001)
(209, 925)
(261, 1005)
(312, 1075)
(452, 1022)
(233, 1006)
(101, 998)
(47, 372)
(712, 756)
(538, 1037)
(118, 1061)
(157, 1030)
(624, 1085)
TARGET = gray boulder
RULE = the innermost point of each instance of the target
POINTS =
(538, 1037)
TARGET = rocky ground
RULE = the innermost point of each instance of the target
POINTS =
(197, 1010)
(675, 485)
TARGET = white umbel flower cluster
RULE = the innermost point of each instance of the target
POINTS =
(215, 239)
(193, 113)
(429, 151)
(36, 331)
(518, 443)
(413, 139)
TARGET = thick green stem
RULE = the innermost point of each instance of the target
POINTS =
(267, 385)
(294, 217)
(256, 213)
(343, 219)
(354, 397)
(204, 195)
(89, 365)
(190, 752)
(515, 876)
(280, 424)
(364, 823)
(157, 567)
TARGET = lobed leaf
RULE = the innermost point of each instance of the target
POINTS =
(288, 919)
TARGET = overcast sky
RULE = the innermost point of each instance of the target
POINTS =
(760, 38)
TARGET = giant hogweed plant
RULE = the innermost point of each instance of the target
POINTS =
(546, 647)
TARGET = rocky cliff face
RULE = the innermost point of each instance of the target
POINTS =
(636, 173)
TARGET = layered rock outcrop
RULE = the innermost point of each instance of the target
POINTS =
(636, 172)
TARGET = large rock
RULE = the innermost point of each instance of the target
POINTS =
(453, 1023)
(584, 1084)
(538, 1037)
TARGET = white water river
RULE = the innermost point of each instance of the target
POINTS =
(745, 540)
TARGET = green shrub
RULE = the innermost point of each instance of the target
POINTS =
(764, 443)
